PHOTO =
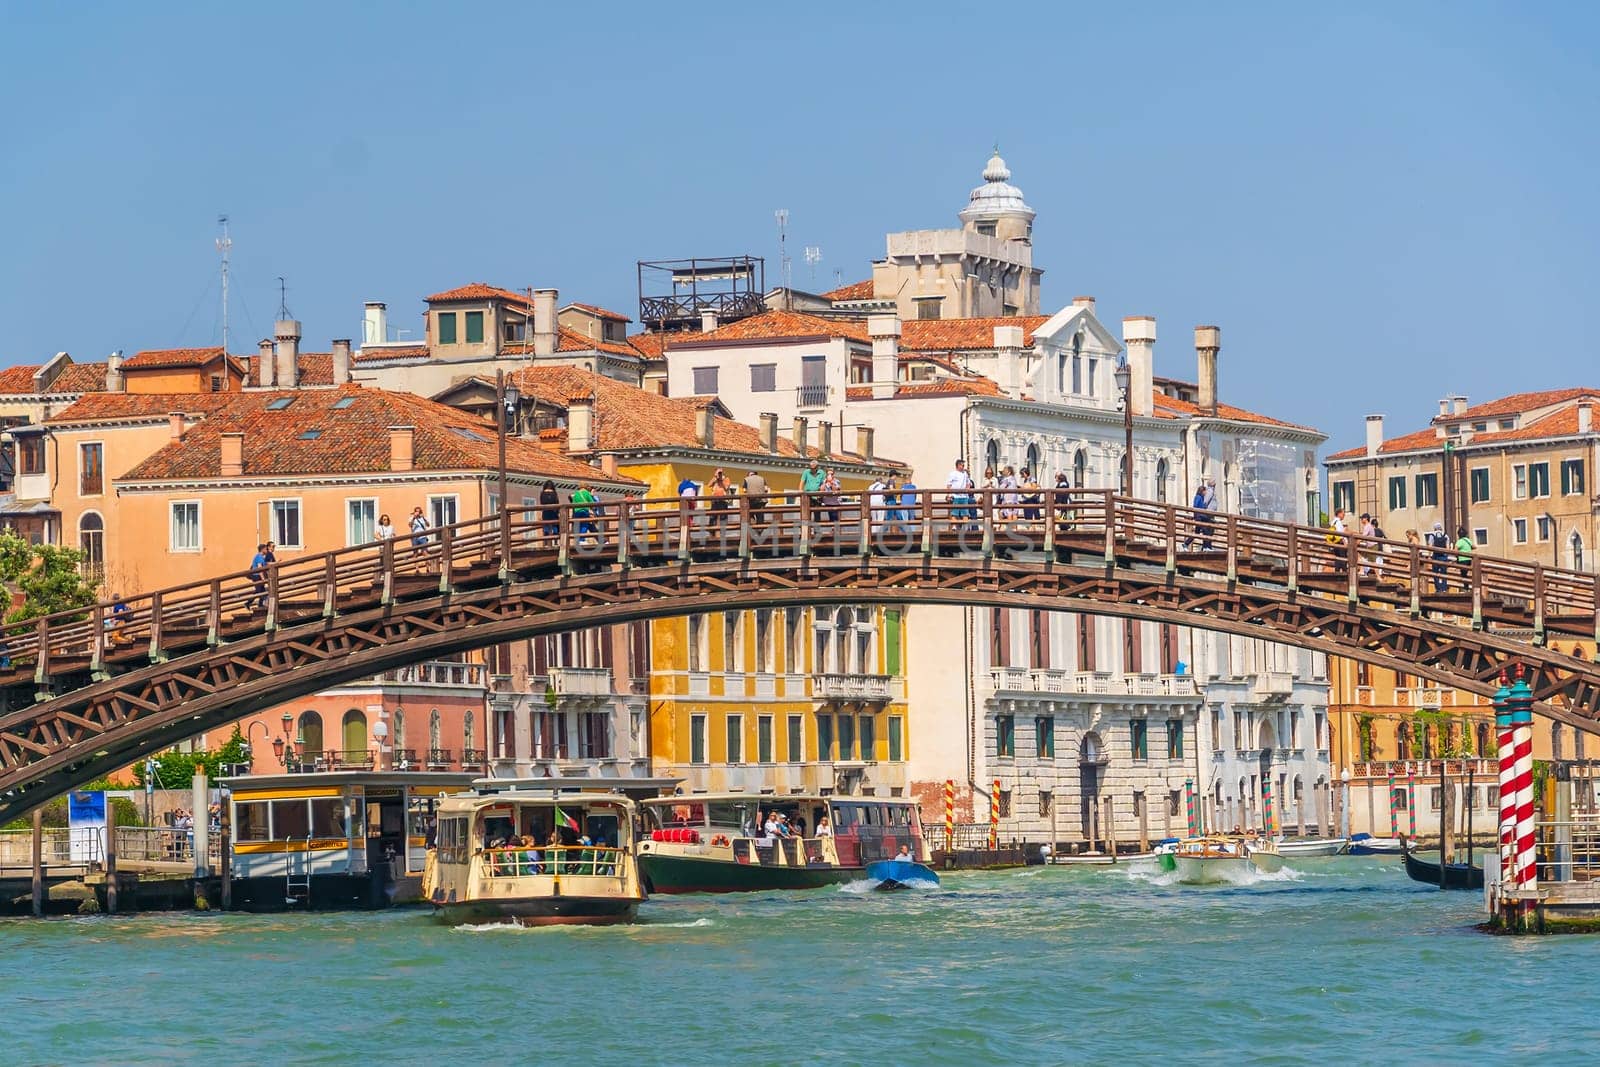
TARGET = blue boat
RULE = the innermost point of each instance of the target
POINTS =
(901, 874)
(1367, 845)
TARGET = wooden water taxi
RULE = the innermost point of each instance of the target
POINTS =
(718, 842)
(536, 856)
(331, 839)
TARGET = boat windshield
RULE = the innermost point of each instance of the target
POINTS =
(738, 816)
(568, 822)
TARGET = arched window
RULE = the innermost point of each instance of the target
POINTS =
(92, 540)
(399, 728)
(1576, 545)
(433, 730)
(469, 732)
(354, 731)
(1080, 468)
(1122, 471)
(991, 455)
(1402, 740)
(1484, 747)
(1032, 460)
(310, 735)
(1161, 480)
(843, 631)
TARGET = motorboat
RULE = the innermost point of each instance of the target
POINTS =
(901, 874)
(1217, 858)
(1364, 844)
(1293, 847)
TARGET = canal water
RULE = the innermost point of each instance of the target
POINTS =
(1340, 957)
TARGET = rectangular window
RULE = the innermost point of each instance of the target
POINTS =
(928, 306)
(1481, 536)
(1044, 737)
(697, 639)
(846, 725)
(697, 739)
(91, 469)
(30, 454)
(514, 329)
(1543, 527)
(1045, 800)
(735, 738)
(442, 510)
(1174, 738)
(1139, 735)
(763, 377)
(897, 738)
(474, 327)
(1538, 480)
(1005, 803)
(361, 521)
(1572, 477)
(1397, 493)
(1344, 496)
(1427, 491)
(825, 738)
(286, 523)
(867, 735)
(1519, 481)
(1480, 485)
(185, 526)
(764, 739)
(1005, 735)
(797, 751)
(705, 381)
(1519, 531)
(446, 321)
(731, 660)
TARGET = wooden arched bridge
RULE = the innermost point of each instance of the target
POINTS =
(91, 690)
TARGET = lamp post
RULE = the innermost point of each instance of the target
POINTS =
(1344, 804)
(506, 399)
(1124, 378)
(266, 734)
(380, 733)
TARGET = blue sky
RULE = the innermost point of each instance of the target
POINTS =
(1380, 204)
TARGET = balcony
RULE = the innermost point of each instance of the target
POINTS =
(437, 673)
(1426, 697)
(1050, 680)
(876, 688)
(1272, 686)
(580, 681)
(1426, 770)
(811, 396)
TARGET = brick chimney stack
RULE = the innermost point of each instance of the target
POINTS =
(1207, 343)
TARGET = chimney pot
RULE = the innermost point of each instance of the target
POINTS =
(864, 442)
(1084, 302)
(115, 382)
(580, 423)
(266, 365)
(1444, 406)
(232, 455)
(544, 322)
(705, 426)
(1585, 418)
(1458, 405)
(801, 433)
(175, 425)
(1139, 334)
(1374, 435)
(825, 438)
(1008, 345)
(402, 448)
(287, 333)
(341, 361)
(1207, 343)
(885, 333)
(375, 323)
(769, 431)
(708, 320)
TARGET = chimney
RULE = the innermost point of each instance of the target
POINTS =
(288, 353)
(544, 322)
(1008, 341)
(1374, 435)
(1139, 334)
(175, 425)
(375, 323)
(115, 383)
(1084, 302)
(825, 438)
(1585, 418)
(1444, 406)
(1207, 340)
(801, 435)
(580, 423)
(402, 448)
(1458, 405)
(864, 437)
(708, 320)
(266, 366)
(232, 455)
(769, 431)
(341, 361)
(705, 426)
(885, 333)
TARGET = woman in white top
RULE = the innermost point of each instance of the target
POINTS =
(385, 529)
(824, 828)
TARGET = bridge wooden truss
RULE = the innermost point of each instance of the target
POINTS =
(91, 690)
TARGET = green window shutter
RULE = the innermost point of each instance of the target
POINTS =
(891, 634)
(474, 327)
(447, 327)
(896, 739)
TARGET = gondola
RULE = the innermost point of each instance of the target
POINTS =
(1456, 875)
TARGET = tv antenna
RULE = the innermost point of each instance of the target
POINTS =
(224, 244)
(782, 215)
(813, 257)
(283, 299)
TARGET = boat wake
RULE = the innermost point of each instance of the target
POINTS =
(691, 925)
(870, 885)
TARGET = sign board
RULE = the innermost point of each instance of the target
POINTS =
(86, 826)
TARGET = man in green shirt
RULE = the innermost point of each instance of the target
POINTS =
(811, 479)
(1464, 556)
(583, 502)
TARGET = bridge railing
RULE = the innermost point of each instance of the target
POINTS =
(1083, 522)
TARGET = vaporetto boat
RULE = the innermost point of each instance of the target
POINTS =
(718, 842)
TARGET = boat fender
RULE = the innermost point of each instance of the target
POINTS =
(719, 840)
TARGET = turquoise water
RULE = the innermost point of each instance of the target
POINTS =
(1339, 958)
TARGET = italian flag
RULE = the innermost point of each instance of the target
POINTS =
(566, 820)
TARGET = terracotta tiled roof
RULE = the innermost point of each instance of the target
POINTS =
(353, 439)
(74, 378)
(853, 291)
(169, 358)
(479, 291)
(1411, 442)
(316, 368)
(972, 386)
(368, 355)
(952, 335)
(650, 345)
(571, 341)
(1172, 407)
(1519, 402)
(108, 407)
(599, 312)
(18, 379)
(773, 324)
(631, 419)
(1560, 423)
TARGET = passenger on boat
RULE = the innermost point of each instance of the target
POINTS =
(824, 828)
(771, 826)
(904, 855)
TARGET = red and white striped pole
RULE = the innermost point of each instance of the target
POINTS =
(949, 814)
(1521, 701)
(1411, 799)
(1508, 801)
(1394, 816)
(994, 815)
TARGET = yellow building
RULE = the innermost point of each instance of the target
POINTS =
(762, 700)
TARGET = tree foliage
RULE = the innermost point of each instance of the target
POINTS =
(49, 577)
(175, 770)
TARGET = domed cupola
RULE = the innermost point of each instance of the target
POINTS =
(996, 207)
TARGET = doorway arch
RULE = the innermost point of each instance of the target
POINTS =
(310, 732)
(353, 731)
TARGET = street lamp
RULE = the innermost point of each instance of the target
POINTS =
(380, 733)
(288, 721)
(1124, 377)
(1344, 805)
(506, 399)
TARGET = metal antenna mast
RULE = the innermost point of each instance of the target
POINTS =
(813, 257)
(224, 244)
(782, 215)
(283, 299)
